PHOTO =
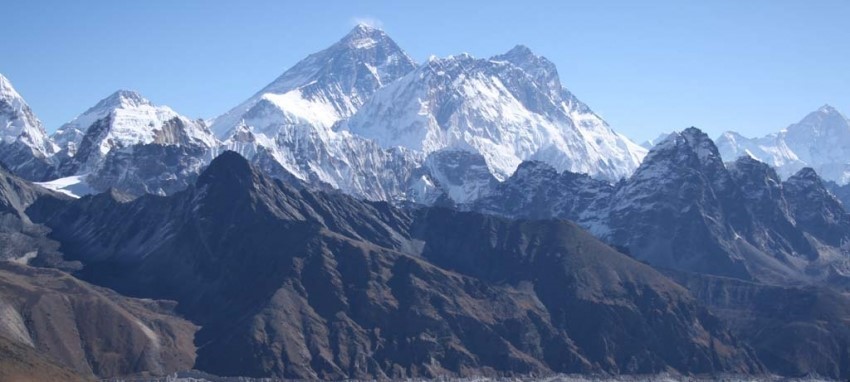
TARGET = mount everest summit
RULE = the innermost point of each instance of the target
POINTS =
(362, 117)
(325, 87)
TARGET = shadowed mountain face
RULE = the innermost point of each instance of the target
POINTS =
(297, 284)
(842, 193)
(748, 239)
(591, 292)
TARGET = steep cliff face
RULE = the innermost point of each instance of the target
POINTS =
(596, 295)
(816, 210)
(22, 240)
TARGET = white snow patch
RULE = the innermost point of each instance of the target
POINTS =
(74, 186)
(25, 259)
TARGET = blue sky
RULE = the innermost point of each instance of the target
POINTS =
(646, 66)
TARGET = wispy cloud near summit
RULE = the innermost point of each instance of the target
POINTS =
(367, 20)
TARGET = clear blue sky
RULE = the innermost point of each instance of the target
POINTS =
(645, 66)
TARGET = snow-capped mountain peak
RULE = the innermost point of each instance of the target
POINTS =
(18, 123)
(700, 143)
(820, 140)
(123, 119)
(805, 175)
(25, 147)
(825, 121)
(121, 99)
(519, 51)
(6, 89)
(686, 156)
(541, 70)
(650, 143)
(365, 47)
(828, 109)
(325, 87)
(364, 36)
(289, 127)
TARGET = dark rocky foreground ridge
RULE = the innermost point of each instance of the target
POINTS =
(297, 284)
(287, 282)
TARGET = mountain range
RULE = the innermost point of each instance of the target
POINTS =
(360, 116)
(365, 216)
